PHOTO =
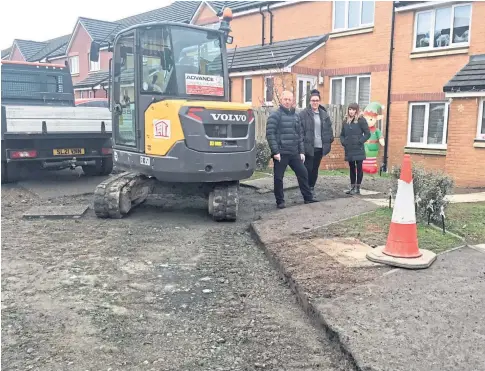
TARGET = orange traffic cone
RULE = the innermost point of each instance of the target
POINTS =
(402, 249)
(402, 241)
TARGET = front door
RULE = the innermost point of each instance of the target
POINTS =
(125, 124)
(305, 84)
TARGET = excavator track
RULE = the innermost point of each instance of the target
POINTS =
(117, 195)
(224, 202)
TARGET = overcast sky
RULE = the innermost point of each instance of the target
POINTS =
(23, 19)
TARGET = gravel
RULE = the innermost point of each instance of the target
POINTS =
(164, 289)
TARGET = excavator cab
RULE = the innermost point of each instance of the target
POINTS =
(172, 118)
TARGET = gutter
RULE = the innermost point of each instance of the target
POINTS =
(384, 166)
(263, 21)
(270, 24)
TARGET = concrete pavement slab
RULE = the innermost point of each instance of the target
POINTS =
(283, 224)
(266, 185)
(480, 247)
(349, 252)
(56, 212)
(426, 320)
(466, 197)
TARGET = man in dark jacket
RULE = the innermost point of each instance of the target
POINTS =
(284, 134)
(318, 135)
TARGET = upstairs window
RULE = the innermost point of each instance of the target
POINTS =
(443, 27)
(352, 14)
(94, 66)
(74, 65)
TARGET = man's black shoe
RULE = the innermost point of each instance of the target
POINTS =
(313, 200)
(281, 205)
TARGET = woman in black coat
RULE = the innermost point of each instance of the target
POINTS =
(355, 132)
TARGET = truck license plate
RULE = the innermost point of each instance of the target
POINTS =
(145, 160)
(68, 151)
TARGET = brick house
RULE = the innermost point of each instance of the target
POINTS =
(342, 48)
(438, 87)
(437, 90)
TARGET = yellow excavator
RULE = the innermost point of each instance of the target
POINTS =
(172, 120)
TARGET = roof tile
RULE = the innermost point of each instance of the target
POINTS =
(29, 48)
(269, 56)
(52, 46)
(470, 78)
(178, 11)
(93, 79)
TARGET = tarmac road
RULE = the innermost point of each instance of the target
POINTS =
(53, 184)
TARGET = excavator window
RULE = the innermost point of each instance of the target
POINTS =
(157, 60)
(124, 91)
(182, 62)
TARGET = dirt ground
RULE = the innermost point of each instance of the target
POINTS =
(164, 289)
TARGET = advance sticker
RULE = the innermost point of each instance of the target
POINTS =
(204, 84)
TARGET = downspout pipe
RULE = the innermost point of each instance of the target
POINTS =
(270, 23)
(262, 24)
(384, 166)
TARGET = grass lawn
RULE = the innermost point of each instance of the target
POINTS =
(269, 172)
(373, 228)
(342, 172)
(336, 172)
(467, 220)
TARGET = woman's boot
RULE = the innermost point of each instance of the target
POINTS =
(357, 189)
(351, 190)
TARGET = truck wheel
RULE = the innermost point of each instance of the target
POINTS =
(107, 166)
(10, 172)
(102, 167)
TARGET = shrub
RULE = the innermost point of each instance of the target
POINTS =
(263, 155)
(430, 188)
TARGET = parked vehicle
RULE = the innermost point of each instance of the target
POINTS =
(92, 102)
(41, 127)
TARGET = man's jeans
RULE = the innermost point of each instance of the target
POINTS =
(295, 163)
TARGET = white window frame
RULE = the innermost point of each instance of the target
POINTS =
(305, 79)
(94, 66)
(266, 103)
(426, 122)
(342, 99)
(74, 67)
(346, 26)
(244, 89)
(432, 26)
(480, 136)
